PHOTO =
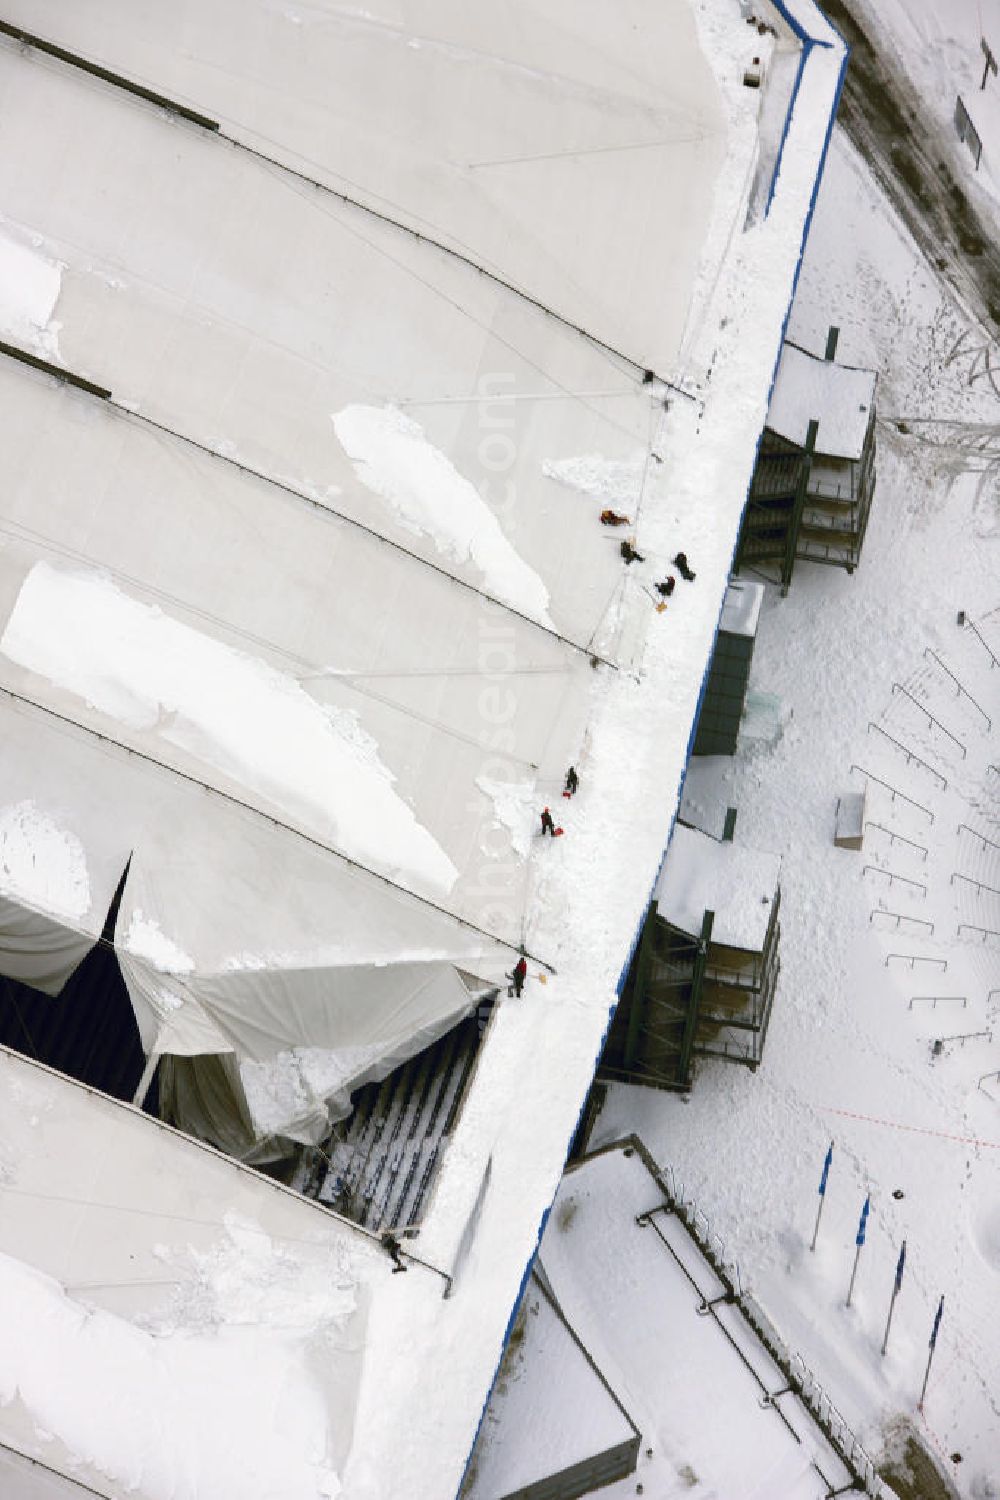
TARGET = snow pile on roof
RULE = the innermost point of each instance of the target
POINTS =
(144, 939)
(132, 662)
(41, 863)
(619, 480)
(839, 398)
(394, 459)
(29, 290)
(149, 1286)
(736, 883)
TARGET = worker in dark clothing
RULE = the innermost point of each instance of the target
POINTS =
(681, 564)
(518, 976)
(394, 1249)
(630, 554)
(548, 826)
(612, 518)
(666, 588)
(572, 782)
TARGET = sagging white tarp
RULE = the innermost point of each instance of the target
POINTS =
(37, 949)
(58, 868)
(311, 976)
(302, 975)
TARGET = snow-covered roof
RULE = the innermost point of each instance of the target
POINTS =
(635, 1292)
(149, 1285)
(702, 874)
(741, 607)
(303, 619)
(838, 397)
(551, 1408)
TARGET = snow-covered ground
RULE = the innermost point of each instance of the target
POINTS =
(846, 1056)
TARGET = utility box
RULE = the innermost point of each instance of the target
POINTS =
(726, 689)
(850, 830)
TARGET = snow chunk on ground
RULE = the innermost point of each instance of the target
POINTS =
(42, 863)
(514, 809)
(232, 711)
(614, 479)
(29, 289)
(393, 458)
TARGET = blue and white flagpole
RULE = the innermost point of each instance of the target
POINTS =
(822, 1192)
(859, 1241)
(930, 1353)
(901, 1262)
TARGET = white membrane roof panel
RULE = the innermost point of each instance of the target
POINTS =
(256, 644)
(375, 374)
(571, 148)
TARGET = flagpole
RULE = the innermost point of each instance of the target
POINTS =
(859, 1241)
(930, 1353)
(895, 1293)
(822, 1193)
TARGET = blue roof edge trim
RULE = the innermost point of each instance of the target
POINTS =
(808, 43)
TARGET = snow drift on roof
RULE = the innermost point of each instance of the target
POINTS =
(242, 716)
(29, 289)
(394, 459)
(41, 863)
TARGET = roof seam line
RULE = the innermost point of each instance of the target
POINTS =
(270, 818)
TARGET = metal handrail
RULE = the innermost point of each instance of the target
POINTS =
(894, 790)
(896, 837)
(897, 687)
(917, 958)
(971, 927)
(900, 916)
(995, 661)
(944, 999)
(961, 690)
(970, 880)
(905, 879)
(977, 835)
(910, 754)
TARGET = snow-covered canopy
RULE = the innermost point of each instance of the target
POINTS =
(738, 884)
(838, 397)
